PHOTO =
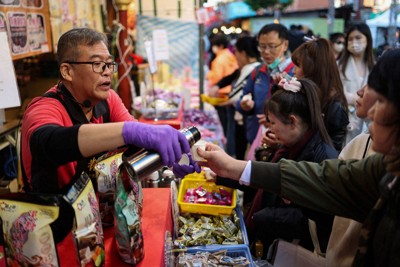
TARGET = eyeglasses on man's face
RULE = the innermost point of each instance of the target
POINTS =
(269, 47)
(98, 66)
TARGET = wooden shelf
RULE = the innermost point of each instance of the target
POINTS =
(7, 130)
(9, 127)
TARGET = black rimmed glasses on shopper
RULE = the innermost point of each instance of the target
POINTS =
(269, 47)
(98, 66)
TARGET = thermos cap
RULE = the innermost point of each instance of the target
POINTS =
(168, 173)
(154, 176)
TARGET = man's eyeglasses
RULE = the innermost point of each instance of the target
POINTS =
(98, 66)
(268, 47)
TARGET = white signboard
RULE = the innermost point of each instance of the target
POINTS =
(9, 94)
(148, 45)
(160, 43)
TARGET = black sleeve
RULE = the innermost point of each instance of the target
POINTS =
(228, 80)
(336, 121)
(56, 145)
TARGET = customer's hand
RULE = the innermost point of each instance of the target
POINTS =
(269, 138)
(213, 91)
(167, 141)
(220, 162)
(247, 104)
(262, 120)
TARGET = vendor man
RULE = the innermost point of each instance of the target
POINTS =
(82, 116)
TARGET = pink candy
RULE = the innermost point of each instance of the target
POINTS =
(201, 196)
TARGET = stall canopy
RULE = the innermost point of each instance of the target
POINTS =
(234, 10)
(377, 24)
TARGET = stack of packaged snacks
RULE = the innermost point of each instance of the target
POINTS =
(106, 169)
(33, 224)
(28, 237)
(202, 230)
(218, 257)
(87, 230)
(128, 215)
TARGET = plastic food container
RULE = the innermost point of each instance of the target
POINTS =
(204, 208)
(162, 112)
(231, 251)
(213, 100)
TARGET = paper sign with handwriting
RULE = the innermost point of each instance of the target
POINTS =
(9, 94)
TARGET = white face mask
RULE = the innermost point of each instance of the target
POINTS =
(338, 47)
(356, 47)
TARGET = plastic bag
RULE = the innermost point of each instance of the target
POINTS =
(28, 237)
(87, 230)
(106, 171)
(128, 215)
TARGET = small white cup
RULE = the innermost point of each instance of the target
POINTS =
(247, 97)
(202, 144)
(184, 160)
(209, 174)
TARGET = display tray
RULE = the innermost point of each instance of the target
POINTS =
(204, 208)
(242, 230)
(171, 255)
(162, 113)
(242, 227)
(231, 251)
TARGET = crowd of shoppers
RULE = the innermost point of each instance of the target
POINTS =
(365, 190)
(348, 83)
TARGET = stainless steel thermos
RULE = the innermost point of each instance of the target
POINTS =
(144, 162)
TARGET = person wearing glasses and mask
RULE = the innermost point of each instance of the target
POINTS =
(82, 116)
(337, 40)
(272, 45)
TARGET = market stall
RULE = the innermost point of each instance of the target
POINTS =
(155, 222)
(172, 98)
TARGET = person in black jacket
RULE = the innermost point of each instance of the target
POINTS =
(295, 121)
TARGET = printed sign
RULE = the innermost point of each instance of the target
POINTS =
(37, 33)
(27, 23)
(9, 95)
(18, 32)
(160, 42)
(3, 23)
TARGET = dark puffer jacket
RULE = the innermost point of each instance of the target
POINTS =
(280, 220)
(336, 120)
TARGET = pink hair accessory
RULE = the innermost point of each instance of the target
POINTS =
(293, 85)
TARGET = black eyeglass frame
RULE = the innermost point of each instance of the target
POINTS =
(103, 68)
(269, 47)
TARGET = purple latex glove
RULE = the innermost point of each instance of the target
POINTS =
(167, 141)
(181, 171)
